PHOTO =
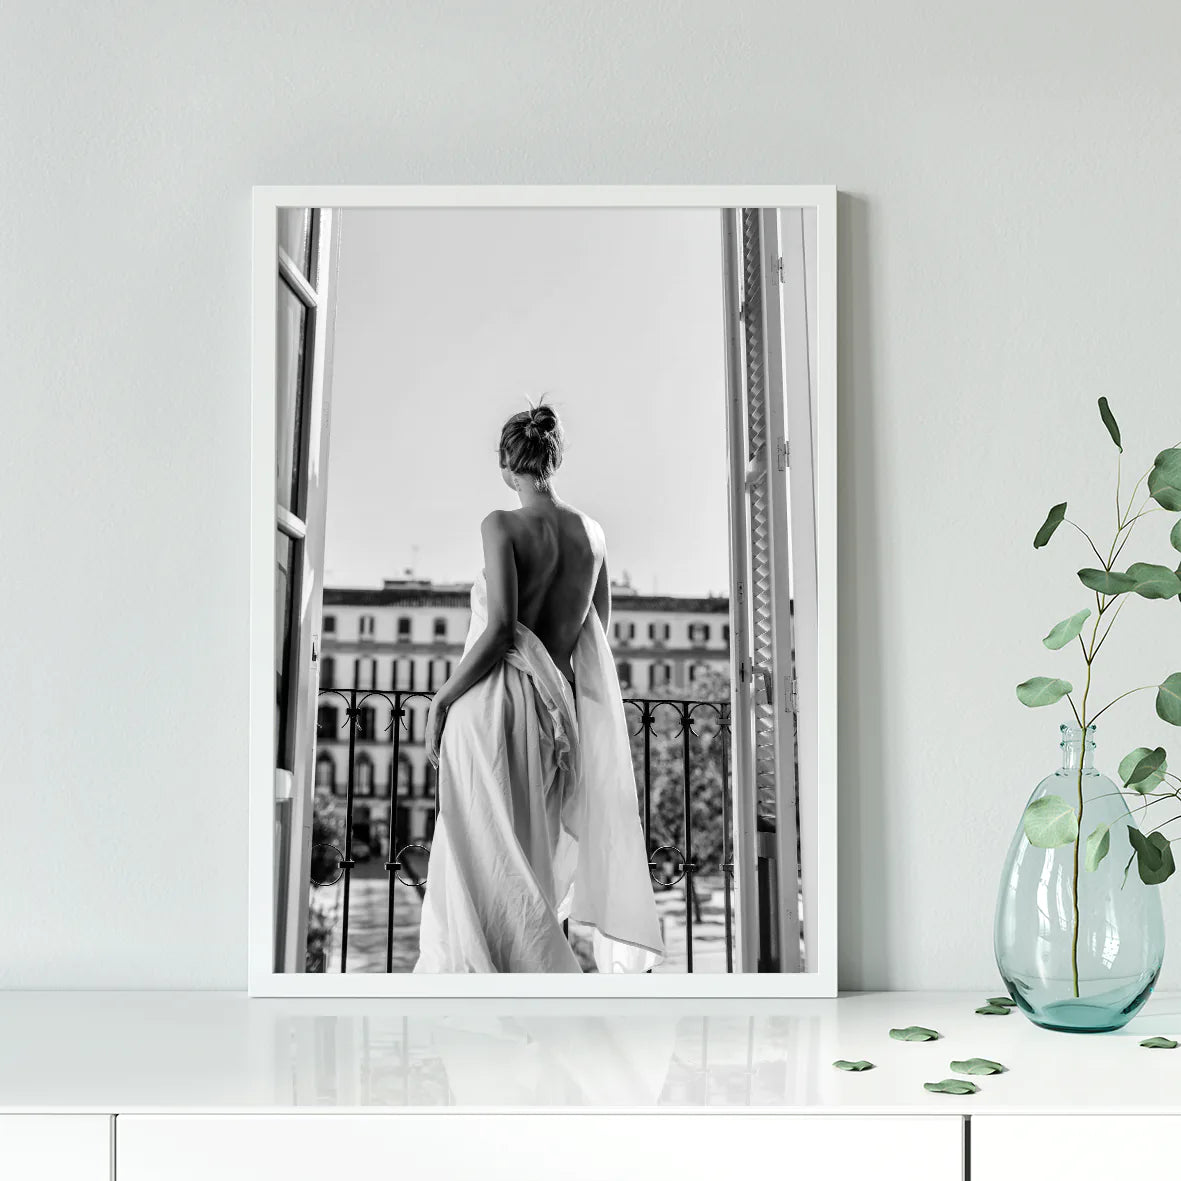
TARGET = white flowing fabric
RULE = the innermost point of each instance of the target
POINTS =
(538, 819)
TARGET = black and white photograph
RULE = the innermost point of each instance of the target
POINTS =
(547, 685)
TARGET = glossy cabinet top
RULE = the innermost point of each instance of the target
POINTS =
(125, 1052)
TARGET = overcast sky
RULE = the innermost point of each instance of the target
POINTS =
(449, 321)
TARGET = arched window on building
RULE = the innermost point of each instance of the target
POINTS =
(365, 670)
(366, 724)
(363, 775)
(624, 670)
(437, 672)
(659, 674)
(325, 770)
(328, 724)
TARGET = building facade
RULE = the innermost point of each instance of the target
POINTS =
(388, 648)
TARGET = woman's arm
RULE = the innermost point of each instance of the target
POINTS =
(602, 596)
(500, 572)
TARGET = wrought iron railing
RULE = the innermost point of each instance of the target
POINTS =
(686, 824)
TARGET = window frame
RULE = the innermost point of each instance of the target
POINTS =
(820, 980)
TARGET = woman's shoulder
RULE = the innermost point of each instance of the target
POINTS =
(594, 531)
(497, 523)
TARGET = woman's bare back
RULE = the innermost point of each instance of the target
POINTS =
(558, 553)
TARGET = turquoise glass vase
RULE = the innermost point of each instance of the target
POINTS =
(1090, 967)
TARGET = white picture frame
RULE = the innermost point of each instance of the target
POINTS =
(817, 723)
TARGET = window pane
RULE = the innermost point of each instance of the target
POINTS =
(288, 396)
(295, 235)
(285, 581)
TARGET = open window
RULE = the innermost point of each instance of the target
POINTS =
(769, 270)
(304, 274)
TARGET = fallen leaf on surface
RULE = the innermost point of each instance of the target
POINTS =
(952, 1086)
(914, 1033)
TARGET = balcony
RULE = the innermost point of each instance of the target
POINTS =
(371, 852)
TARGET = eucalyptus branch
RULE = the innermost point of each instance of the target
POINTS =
(1119, 472)
(1143, 513)
(1157, 797)
(1110, 625)
(1129, 693)
(1094, 547)
(1149, 581)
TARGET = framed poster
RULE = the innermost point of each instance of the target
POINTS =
(543, 591)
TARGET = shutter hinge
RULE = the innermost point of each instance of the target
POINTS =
(784, 455)
(780, 269)
(742, 671)
(792, 693)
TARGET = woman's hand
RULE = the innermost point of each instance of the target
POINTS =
(436, 719)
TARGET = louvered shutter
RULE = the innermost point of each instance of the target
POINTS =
(764, 727)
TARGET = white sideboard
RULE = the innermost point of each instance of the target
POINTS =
(162, 1086)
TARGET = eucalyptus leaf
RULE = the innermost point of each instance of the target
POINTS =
(1167, 865)
(1054, 518)
(1050, 822)
(859, 1065)
(1007, 1001)
(978, 1066)
(1159, 1043)
(1130, 770)
(1175, 535)
(952, 1086)
(1164, 481)
(1154, 856)
(1148, 770)
(1106, 582)
(1168, 700)
(915, 1033)
(1062, 633)
(1039, 691)
(1154, 582)
(1109, 422)
(1098, 844)
(995, 1010)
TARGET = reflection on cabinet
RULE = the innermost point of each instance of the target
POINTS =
(539, 1147)
(55, 1147)
(1033, 1147)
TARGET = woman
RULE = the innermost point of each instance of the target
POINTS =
(538, 820)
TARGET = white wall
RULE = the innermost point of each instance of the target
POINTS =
(1009, 251)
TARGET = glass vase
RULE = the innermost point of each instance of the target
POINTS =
(1088, 967)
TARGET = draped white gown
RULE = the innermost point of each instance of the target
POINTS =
(538, 819)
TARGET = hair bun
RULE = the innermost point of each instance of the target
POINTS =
(543, 420)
